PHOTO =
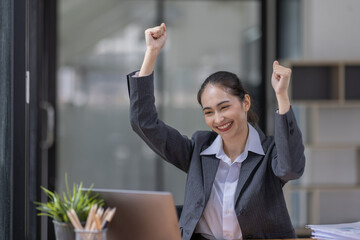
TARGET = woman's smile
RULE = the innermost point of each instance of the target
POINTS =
(225, 127)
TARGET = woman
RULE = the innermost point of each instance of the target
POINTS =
(235, 173)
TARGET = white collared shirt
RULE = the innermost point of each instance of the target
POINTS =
(219, 220)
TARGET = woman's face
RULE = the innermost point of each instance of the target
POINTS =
(224, 113)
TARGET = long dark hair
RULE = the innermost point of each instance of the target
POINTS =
(232, 84)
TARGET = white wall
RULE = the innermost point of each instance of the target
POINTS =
(331, 29)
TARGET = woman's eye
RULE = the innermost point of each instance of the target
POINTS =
(207, 113)
(224, 107)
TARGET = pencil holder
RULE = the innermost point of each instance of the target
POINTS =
(90, 235)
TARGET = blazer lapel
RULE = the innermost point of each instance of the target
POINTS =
(247, 168)
(209, 167)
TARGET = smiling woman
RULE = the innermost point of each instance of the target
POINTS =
(226, 105)
(235, 172)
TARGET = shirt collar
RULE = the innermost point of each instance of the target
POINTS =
(253, 144)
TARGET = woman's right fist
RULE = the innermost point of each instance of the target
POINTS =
(155, 37)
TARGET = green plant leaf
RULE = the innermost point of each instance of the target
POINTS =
(78, 199)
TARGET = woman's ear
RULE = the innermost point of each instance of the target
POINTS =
(246, 102)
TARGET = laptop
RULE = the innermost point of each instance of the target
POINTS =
(141, 215)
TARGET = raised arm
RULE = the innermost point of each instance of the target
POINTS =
(289, 162)
(155, 40)
(164, 140)
(280, 80)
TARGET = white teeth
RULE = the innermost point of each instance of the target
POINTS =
(224, 126)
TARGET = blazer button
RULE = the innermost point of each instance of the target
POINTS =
(291, 131)
(291, 123)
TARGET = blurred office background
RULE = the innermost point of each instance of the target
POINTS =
(78, 54)
(101, 42)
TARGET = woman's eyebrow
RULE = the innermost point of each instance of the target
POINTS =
(225, 101)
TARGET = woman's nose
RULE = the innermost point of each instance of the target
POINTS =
(218, 118)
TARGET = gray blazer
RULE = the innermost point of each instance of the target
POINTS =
(259, 201)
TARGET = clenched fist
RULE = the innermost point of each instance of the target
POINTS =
(280, 81)
(280, 78)
(155, 37)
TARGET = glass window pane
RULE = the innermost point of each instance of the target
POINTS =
(100, 42)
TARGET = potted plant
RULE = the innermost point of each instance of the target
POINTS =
(57, 207)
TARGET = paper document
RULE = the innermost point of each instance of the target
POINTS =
(345, 231)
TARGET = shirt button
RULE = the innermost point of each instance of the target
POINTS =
(227, 211)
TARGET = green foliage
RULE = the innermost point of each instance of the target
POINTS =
(81, 201)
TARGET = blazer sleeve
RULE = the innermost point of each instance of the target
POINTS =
(164, 140)
(289, 160)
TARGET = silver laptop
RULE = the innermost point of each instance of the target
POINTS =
(141, 215)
